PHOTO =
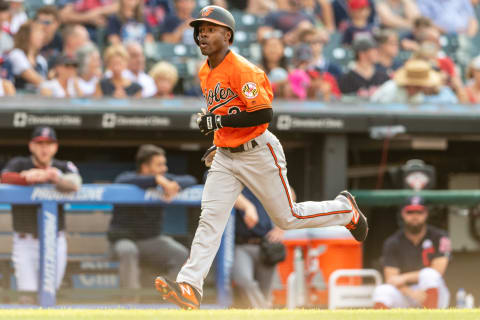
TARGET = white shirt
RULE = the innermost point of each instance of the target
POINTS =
(57, 90)
(2, 91)
(18, 19)
(149, 89)
(20, 62)
(390, 92)
(88, 87)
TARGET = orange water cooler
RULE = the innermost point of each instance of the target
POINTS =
(324, 251)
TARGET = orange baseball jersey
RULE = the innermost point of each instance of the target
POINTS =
(233, 86)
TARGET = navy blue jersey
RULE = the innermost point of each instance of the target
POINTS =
(399, 252)
(25, 216)
(137, 222)
(263, 226)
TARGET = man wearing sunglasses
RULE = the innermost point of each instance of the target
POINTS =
(415, 259)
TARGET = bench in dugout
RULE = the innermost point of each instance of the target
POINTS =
(90, 264)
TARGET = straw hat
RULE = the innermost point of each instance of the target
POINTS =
(417, 73)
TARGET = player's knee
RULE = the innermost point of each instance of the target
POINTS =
(384, 293)
(283, 224)
(125, 248)
(430, 277)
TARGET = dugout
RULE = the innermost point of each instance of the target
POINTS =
(328, 146)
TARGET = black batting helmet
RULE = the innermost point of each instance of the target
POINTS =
(216, 15)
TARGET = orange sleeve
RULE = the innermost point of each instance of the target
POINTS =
(255, 90)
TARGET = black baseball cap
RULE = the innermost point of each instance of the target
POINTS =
(44, 134)
(415, 203)
(363, 43)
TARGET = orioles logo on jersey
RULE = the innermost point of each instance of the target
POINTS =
(218, 97)
(206, 12)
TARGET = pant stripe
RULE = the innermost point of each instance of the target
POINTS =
(288, 194)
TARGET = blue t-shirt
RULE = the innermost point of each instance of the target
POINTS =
(450, 15)
(263, 226)
(156, 11)
(132, 30)
(171, 23)
(352, 32)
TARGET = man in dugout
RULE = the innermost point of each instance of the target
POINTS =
(38, 168)
(135, 231)
(415, 259)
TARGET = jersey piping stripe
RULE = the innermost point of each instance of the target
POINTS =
(262, 106)
(288, 194)
(223, 103)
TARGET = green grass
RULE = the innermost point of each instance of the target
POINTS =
(119, 314)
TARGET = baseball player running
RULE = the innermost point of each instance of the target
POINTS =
(239, 101)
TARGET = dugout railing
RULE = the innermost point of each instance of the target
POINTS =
(48, 198)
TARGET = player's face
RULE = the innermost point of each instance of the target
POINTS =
(157, 165)
(212, 38)
(43, 151)
(415, 220)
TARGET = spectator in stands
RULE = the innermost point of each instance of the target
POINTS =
(65, 82)
(89, 68)
(358, 25)
(273, 52)
(6, 40)
(91, 14)
(41, 167)
(451, 16)
(430, 52)
(421, 27)
(416, 82)
(165, 76)
(74, 37)
(176, 28)
(415, 260)
(322, 11)
(304, 82)
(117, 86)
(258, 8)
(388, 47)
(136, 69)
(156, 11)
(135, 232)
(47, 19)
(274, 62)
(342, 14)
(28, 67)
(128, 24)
(473, 87)
(317, 39)
(363, 78)
(290, 20)
(17, 16)
(397, 14)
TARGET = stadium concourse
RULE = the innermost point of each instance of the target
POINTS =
(361, 87)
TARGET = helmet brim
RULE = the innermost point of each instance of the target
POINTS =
(196, 22)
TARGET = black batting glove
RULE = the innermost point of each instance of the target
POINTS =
(209, 122)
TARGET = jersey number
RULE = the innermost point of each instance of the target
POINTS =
(233, 110)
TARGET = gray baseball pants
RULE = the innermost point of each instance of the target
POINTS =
(263, 170)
